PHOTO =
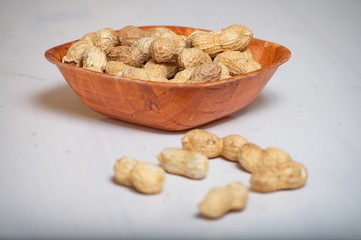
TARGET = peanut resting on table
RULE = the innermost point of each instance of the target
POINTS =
(161, 55)
(183, 162)
(221, 200)
(144, 177)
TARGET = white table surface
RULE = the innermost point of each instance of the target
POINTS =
(57, 155)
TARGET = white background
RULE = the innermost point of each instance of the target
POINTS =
(57, 155)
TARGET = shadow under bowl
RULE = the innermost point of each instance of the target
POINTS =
(170, 106)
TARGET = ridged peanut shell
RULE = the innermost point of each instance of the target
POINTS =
(94, 59)
(75, 52)
(206, 72)
(192, 57)
(287, 175)
(105, 39)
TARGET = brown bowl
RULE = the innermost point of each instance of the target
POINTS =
(165, 105)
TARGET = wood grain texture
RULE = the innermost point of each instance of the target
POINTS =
(170, 106)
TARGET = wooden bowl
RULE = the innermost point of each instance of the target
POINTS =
(165, 105)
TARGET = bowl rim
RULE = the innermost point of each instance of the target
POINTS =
(51, 58)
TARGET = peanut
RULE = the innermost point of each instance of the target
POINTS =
(147, 178)
(165, 70)
(160, 32)
(122, 170)
(192, 57)
(206, 72)
(238, 62)
(129, 34)
(166, 49)
(144, 177)
(252, 157)
(232, 145)
(286, 175)
(88, 37)
(203, 142)
(131, 56)
(76, 52)
(142, 74)
(143, 45)
(94, 59)
(183, 162)
(225, 72)
(221, 200)
(234, 37)
(105, 39)
(183, 76)
(115, 68)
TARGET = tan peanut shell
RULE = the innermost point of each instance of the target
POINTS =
(159, 32)
(147, 178)
(76, 52)
(234, 37)
(232, 145)
(131, 56)
(122, 170)
(115, 68)
(203, 142)
(142, 74)
(183, 76)
(192, 57)
(187, 163)
(246, 67)
(252, 157)
(225, 72)
(88, 38)
(129, 34)
(205, 41)
(287, 175)
(94, 59)
(238, 62)
(105, 39)
(143, 45)
(162, 50)
(221, 200)
(206, 72)
(165, 70)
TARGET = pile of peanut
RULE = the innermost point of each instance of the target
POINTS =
(272, 169)
(161, 55)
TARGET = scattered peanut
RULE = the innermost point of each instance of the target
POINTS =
(183, 162)
(203, 142)
(232, 145)
(221, 200)
(252, 157)
(122, 170)
(286, 175)
(145, 177)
